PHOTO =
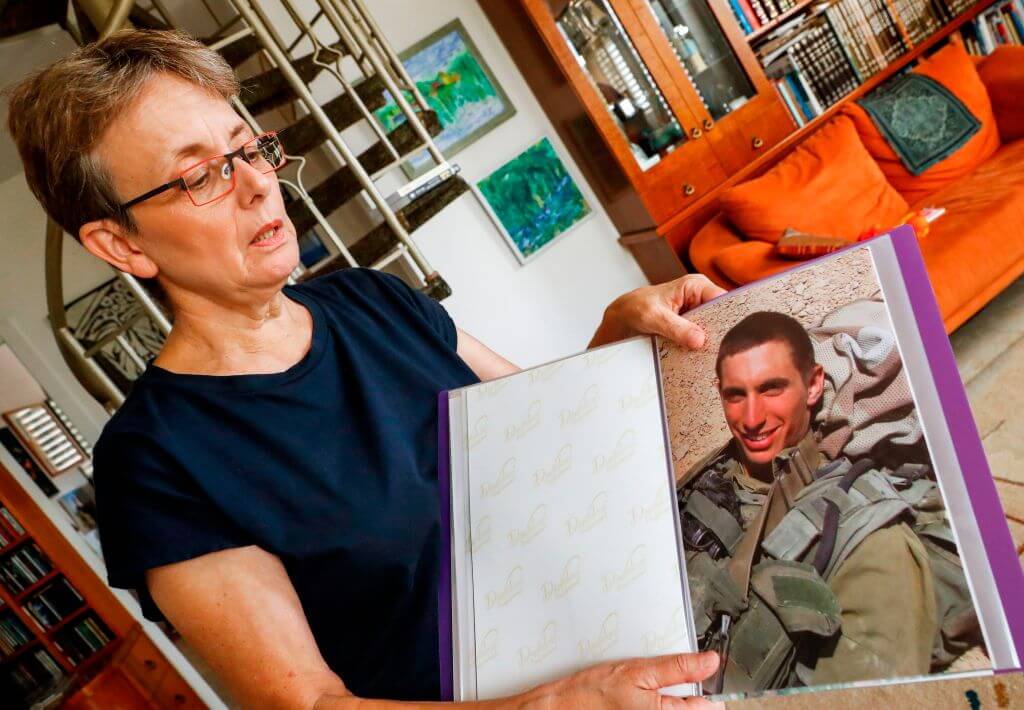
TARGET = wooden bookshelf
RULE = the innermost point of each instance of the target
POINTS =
(15, 606)
(150, 681)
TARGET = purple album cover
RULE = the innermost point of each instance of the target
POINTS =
(898, 273)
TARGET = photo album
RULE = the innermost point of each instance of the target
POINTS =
(807, 495)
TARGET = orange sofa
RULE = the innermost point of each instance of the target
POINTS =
(972, 252)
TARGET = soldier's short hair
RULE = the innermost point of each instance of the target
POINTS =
(766, 327)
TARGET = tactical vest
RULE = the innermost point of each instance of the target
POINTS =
(787, 611)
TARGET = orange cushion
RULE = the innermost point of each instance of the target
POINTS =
(952, 67)
(977, 247)
(829, 185)
(1002, 72)
(749, 261)
(706, 243)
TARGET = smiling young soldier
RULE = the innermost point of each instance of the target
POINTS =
(789, 593)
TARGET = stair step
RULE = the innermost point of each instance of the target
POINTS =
(306, 134)
(342, 186)
(271, 89)
(240, 50)
(380, 240)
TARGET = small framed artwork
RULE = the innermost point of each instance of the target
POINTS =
(533, 200)
(458, 85)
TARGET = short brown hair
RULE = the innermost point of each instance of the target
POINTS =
(766, 327)
(58, 114)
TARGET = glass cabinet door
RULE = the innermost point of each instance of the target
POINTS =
(608, 58)
(705, 54)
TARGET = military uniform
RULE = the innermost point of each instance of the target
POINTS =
(833, 572)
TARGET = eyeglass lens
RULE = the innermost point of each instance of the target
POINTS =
(212, 179)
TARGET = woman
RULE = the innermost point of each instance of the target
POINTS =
(269, 486)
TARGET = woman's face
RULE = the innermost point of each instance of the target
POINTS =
(209, 251)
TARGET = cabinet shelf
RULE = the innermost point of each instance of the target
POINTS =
(49, 576)
(67, 619)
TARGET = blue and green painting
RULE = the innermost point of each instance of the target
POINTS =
(534, 197)
(457, 85)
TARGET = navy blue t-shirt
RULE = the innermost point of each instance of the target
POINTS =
(330, 465)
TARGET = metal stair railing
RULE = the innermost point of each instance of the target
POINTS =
(254, 14)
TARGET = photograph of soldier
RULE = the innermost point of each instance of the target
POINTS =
(818, 549)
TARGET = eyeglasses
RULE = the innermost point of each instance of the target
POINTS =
(211, 179)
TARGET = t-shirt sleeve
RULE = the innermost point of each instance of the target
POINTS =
(432, 312)
(152, 514)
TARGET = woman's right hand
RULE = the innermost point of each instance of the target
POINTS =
(629, 684)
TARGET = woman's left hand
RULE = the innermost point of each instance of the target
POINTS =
(655, 310)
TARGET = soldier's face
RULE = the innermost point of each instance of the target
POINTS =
(767, 400)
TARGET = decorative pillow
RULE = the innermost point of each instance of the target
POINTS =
(800, 245)
(920, 119)
(952, 67)
(829, 185)
(1002, 73)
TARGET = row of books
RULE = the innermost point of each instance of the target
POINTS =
(13, 634)
(30, 674)
(810, 66)
(10, 528)
(53, 603)
(1003, 23)
(24, 567)
(831, 48)
(752, 15)
(81, 639)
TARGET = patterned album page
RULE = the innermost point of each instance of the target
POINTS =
(572, 534)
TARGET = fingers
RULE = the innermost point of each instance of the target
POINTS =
(689, 292)
(694, 290)
(670, 703)
(663, 671)
(684, 332)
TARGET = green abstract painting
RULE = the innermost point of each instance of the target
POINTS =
(457, 85)
(534, 198)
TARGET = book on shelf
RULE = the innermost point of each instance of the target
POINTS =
(53, 602)
(30, 676)
(82, 638)
(828, 49)
(9, 524)
(636, 500)
(747, 23)
(13, 634)
(1003, 23)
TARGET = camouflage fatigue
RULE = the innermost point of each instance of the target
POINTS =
(873, 616)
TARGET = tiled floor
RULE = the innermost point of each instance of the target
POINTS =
(990, 353)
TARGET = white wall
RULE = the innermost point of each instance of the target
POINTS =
(551, 306)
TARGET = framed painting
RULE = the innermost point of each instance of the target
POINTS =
(458, 85)
(533, 199)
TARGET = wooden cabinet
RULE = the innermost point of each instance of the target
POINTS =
(673, 89)
(127, 672)
(664, 104)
